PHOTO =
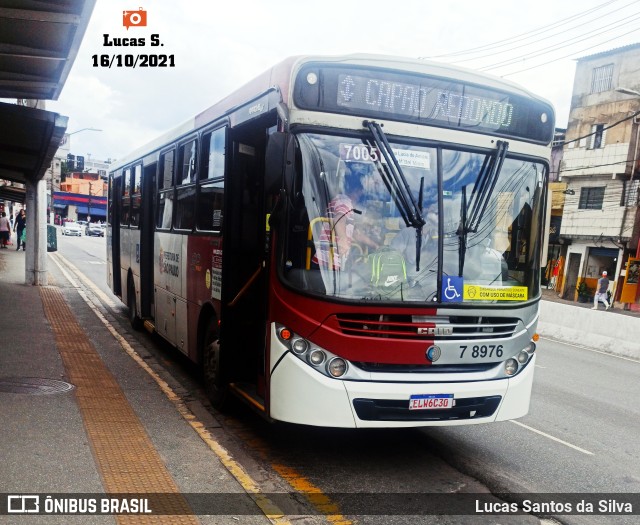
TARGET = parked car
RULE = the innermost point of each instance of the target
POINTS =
(72, 228)
(94, 230)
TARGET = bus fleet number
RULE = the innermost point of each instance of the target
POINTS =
(482, 351)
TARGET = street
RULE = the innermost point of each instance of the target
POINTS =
(580, 435)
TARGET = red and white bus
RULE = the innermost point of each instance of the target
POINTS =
(345, 241)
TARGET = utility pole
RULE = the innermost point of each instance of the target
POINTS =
(89, 202)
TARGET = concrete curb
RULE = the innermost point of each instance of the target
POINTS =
(598, 329)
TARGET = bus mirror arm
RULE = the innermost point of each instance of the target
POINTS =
(279, 206)
(283, 113)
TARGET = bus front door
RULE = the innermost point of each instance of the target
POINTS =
(116, 201)
(147, 222)
(243, 324)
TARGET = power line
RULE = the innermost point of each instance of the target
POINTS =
(555, 47)
(534, 32)
(581, 27)
(569, 55)
(636, 113)
(595, 166)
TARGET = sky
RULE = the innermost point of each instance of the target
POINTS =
(219, 45)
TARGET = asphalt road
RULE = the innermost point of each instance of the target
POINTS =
(581, 435)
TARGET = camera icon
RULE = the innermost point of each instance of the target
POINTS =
(134, 18)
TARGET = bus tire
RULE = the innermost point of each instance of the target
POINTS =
(215, 385)
(134, 320)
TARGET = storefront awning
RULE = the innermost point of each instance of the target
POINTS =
(94, 212)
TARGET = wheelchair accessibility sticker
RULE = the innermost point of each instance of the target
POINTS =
(452, 289)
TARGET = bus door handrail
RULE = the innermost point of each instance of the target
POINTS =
(332, 242)
(247, 285)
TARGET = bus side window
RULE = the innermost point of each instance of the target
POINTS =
(126, 198)
(186, 190)
(211, 195)
(187, 157)
(213, 153)
(165, 191)
(136, 197)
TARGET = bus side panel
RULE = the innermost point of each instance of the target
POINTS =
(182, 326)
(165, 318)
(168, 257)
(134, 257)
(181, 264)
(168, 283)
(203, 269)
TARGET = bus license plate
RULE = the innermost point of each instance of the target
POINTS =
(431, 401)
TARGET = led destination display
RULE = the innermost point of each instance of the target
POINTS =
(427, 100)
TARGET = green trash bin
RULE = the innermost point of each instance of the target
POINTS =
(52, 238)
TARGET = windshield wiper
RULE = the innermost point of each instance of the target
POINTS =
(419, 228)
(479, 200)
(485, 184)
(396, 183)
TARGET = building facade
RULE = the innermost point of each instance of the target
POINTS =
(80, 192)
(82, 196)
(599, 172)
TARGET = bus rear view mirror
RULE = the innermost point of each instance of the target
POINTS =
(274, 162)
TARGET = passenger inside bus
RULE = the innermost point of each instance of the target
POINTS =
(344, 235)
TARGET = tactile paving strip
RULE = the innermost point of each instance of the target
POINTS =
(124, 454)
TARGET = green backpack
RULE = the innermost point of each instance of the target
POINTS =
(387, 268)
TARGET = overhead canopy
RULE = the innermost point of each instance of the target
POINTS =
(39, 41)
(12, 193)
(29, 138)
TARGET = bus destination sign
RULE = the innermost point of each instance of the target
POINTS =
(426, 100)
(416, 101)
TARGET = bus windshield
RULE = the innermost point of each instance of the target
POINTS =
(352, 233)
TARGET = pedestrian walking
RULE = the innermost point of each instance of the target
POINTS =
(601, 292)
(5, 230)
(19, 226)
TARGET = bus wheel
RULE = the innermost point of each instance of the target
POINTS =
(214, 384)
(134, 320)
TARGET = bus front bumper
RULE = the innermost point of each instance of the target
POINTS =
(300, 394)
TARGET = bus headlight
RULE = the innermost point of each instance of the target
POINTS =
(510, 366)
(523, 357)
(322, 360)
(300, 346)
(316, 357)
(337, 367)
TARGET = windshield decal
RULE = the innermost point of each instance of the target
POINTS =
(473, 292)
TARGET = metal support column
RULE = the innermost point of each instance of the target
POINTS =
(36, 256)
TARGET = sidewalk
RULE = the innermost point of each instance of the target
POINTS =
(552, 295)
(615, 331)
(79, 416)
